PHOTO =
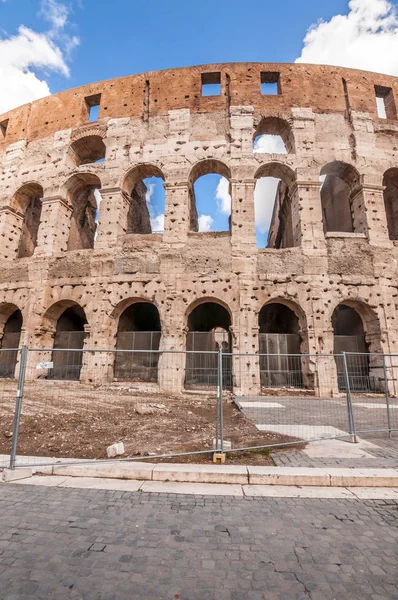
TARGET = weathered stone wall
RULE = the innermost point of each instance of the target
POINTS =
(158, 123)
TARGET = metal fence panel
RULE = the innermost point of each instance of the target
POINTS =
(9, 370)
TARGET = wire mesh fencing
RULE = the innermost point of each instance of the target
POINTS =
(71, 404)
(9, 374)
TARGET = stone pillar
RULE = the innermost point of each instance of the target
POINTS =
(374, 215)
(243, 229)
(11, 223)
(54, 226)
(177, 212)
(246, 362)
(171, 365)
(113, 213)
(307, 215)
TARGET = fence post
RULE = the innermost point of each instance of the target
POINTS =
(350, 412)
(220, 420)
(18, 405)
(387, 395)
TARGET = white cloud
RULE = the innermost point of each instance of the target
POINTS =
(205, 222)
(270, 144)
(366, 38)
(157, 224)
(264, 200)
(223, 197)
(27, 51)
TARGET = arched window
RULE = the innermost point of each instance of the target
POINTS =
(350, 331)
(341, 198)
(28, 202)
(273, 206)
(210, 196)
(138, 330)
(273, 136)
(390, 181)
(84, 196)
(144, 187)
(11, 319)
(208, 332)
(279, 345)
(87, 149)
(67, 356)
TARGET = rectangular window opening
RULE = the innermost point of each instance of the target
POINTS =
(270, 83)
(3, 129)
(211, 84)
(93, 107)
(385, 102)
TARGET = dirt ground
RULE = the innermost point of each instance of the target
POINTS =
(68, 419)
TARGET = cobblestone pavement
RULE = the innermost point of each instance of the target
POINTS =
(108, 545)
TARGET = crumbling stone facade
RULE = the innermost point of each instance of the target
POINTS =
(342, 247)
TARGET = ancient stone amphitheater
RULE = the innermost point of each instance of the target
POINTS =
(327, 280)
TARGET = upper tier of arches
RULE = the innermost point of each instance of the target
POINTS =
(151, 94)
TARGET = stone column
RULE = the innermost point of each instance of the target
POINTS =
(307, 215)
(11, 222)
(177, 212)
(243, 229)
(373, 214)
(54, 226)
(113, 213)
(246, 362)
(171, 365)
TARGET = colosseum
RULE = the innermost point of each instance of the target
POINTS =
(76, 273)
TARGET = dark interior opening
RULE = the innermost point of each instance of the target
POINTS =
(349, 336)
(68, 341)
(9, 343)
(279, 344)
(208, 333)
(139, 331)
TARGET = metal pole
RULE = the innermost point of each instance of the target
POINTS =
(18, 405)
(351, 423)
(387, 395)
(220, 395)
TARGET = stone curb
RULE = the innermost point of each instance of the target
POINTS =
(225, 474)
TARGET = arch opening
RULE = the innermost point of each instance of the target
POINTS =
(10, 343)
(88, 149)
(280, 347)
(390, 182)
(349, 336)
(208, 332)
(273, 136)
(139, 330)
(273, 207)
(210, 197)
(144, 187)
(28, 201)
(67, 355)
(83, 192)
(341, 198)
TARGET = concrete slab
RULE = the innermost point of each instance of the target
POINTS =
(367, 493)
(45, 480)
(288, 476)
(304, 432)
(95, 483)
(200, 473)
(15, 475)
(258, 404)
(114, 470)
(374, 405)
(339, 449)
(276, 491)
(363, 477)
(202, 489)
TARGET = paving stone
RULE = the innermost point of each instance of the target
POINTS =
(195, 547)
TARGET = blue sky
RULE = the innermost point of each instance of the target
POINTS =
(50, 45)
